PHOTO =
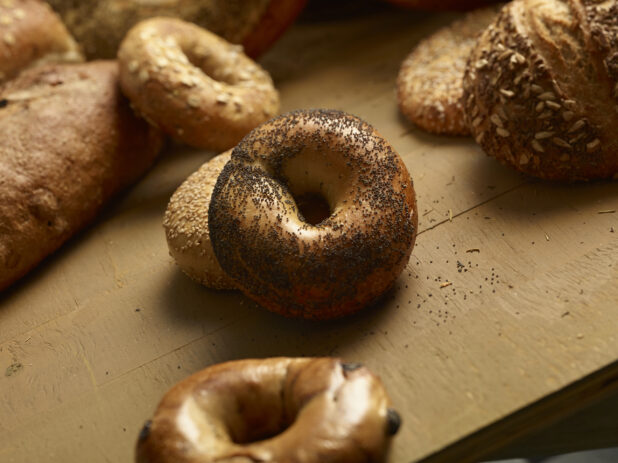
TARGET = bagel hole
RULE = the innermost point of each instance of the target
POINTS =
(258, 429)
(313, 208)
(210, 66)
(257, 435)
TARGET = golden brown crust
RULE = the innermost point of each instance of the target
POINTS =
(430, 81)
(32, 34)
(553, 68)
(237, 412)
(441, 4)
(186, 226)
(313, 271)
(100, 26)
(193, 84)
(68, 142)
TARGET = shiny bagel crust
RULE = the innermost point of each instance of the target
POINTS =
(541, 89)
(194, 85)
(318, 271)
(310, 410)
(32, 35)
(186, 226)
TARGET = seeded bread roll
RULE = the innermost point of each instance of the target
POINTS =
(99, 26)
(68, 142)
(541, 88)
(31, 35)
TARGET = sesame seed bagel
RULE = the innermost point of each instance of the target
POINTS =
(32, 35)
(296, 268)
(194, 85)
(541, 89)
(310, 410)
(441, 4)
(186, 226)
(430, 81)
(99, 26)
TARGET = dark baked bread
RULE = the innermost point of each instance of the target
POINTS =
(68, 142)
(32, 34)
(99, 26)
(442, 4)
(541, 88)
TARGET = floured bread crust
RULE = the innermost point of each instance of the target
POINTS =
(31, 34)
(68, 142)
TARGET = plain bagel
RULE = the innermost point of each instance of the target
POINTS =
(193, 84)
(310, 410)
(32, 34)
(313, 270)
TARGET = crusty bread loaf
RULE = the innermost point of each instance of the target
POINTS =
(32, 34)
(541, 88)
(68, 142)
(100, 26)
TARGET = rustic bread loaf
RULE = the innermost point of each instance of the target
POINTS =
(541, 88)
(32, 34)
(100, 26)
(68, 142)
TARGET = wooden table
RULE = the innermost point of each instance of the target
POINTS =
(504, 321)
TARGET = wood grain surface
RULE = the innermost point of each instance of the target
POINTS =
(505, 319)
